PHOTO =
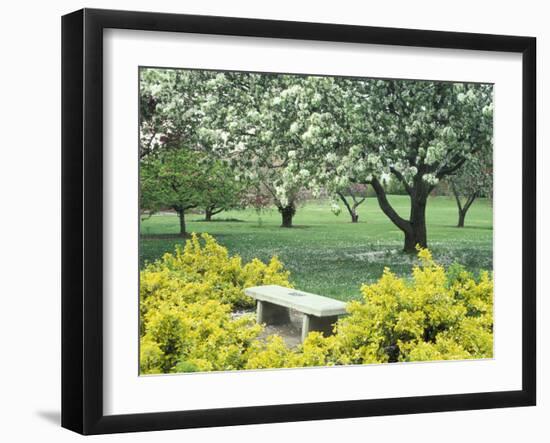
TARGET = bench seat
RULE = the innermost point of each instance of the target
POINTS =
(274, 302)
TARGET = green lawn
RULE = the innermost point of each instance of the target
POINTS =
(328, 255)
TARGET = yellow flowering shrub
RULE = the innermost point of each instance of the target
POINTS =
(436, 315)
(203, 270)
(274, 353)
(187, 299)
(196, 336)
(271, 353)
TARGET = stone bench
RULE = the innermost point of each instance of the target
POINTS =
(274, 302)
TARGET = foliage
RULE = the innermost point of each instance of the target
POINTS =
(417, 132)
(255, 122)
(203, 270)
(174, 179)
(476, 177)
(181, 179)
(394, 187)
(438, 315)
(288, 132)
(223, 192)
(187, 325)
(410, 130)
(198, 336)
(274, 353)
(175, 170)
(473, 180)
(170, 108)
(186, 299)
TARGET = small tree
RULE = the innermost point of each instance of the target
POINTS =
(474, 179)
(175, 179)
(223, 191)
(357, 194)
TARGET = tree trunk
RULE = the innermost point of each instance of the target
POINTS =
(352, 209)
(211, 211)
(414, 228)
(461, 217)
(287, 212)
(417, 233)
(181, 215)
(462, 210)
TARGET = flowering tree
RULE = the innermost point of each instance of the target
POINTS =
(287, 133)
(248, 121)
(176, 170)
(255, 124)
(474, 179)
(417, 132)
(170, 108)
(170, 117)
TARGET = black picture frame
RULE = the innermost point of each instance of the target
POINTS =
(82, 215)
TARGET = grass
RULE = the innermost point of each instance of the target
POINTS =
(327, 254)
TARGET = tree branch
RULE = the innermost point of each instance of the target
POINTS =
(343, 198)
(384, 204)
(401, 178)
(449, 170)
(470, 200)
(457, 197)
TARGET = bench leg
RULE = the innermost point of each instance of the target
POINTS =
(271, 314)
(321, 324)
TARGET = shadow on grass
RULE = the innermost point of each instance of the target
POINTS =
(472, 227)
(164, 236)
(220, 220)
(283, 229)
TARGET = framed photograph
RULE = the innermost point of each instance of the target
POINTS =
(268, 221)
